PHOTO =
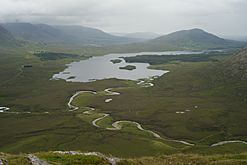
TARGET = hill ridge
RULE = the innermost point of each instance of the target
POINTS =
(196, 39)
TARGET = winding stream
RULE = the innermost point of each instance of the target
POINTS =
(227, 142)
(117, 125)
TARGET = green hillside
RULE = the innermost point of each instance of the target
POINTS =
(70, 35)
(80, 159)
(92, 36)
(201, 101)
(194, 39)
(6, 39)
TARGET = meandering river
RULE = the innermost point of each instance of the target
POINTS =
(98, 68)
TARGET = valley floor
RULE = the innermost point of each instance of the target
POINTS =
(193, 103)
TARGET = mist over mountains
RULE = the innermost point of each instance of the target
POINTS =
(77, 35)
(86, 36)
(194, 39)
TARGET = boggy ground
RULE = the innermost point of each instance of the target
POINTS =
(216, 110)
(191, 103)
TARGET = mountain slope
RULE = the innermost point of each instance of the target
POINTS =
(88, 35)
(194, 39)
(63, 34)
(6, 38)
(36, 33)
(236, 66)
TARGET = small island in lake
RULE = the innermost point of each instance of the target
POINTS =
(116, 61)
(128, 67)
(71, 77)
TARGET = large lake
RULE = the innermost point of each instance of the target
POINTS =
(101, 67)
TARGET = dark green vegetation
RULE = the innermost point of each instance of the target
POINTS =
(162, 59)
(30, 90)
(116, 61)
(54, 56)
(215, 99)
(128, 67)
(189, 84)
(201, 90)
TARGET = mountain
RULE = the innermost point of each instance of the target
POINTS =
(194, 39)
(142, 35)
(88, 35)
(236, 66)
(6, 39)
(37, 33)
(63, 34)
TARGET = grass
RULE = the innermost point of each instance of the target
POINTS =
(185, 87)
(67, 132)
(220, 114)
(72, 159)
(179, 159)
(15, 159)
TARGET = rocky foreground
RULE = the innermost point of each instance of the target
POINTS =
(95, 158)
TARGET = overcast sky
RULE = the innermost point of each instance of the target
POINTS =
(228, 17)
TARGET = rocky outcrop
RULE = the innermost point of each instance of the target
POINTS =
(236, 66)
(34, 160)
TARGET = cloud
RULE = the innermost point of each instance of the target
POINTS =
(221, 16)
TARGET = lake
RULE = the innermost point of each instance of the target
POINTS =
(101, 67)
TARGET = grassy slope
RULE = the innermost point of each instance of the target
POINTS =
(30, 89)
(183, 88)
(186, 86)
(179, 159)
(33, 91)
(236, 159)
(53, 158)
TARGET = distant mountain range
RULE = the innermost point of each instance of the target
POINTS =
(77, 35)
(194, 39)
(6, 37)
